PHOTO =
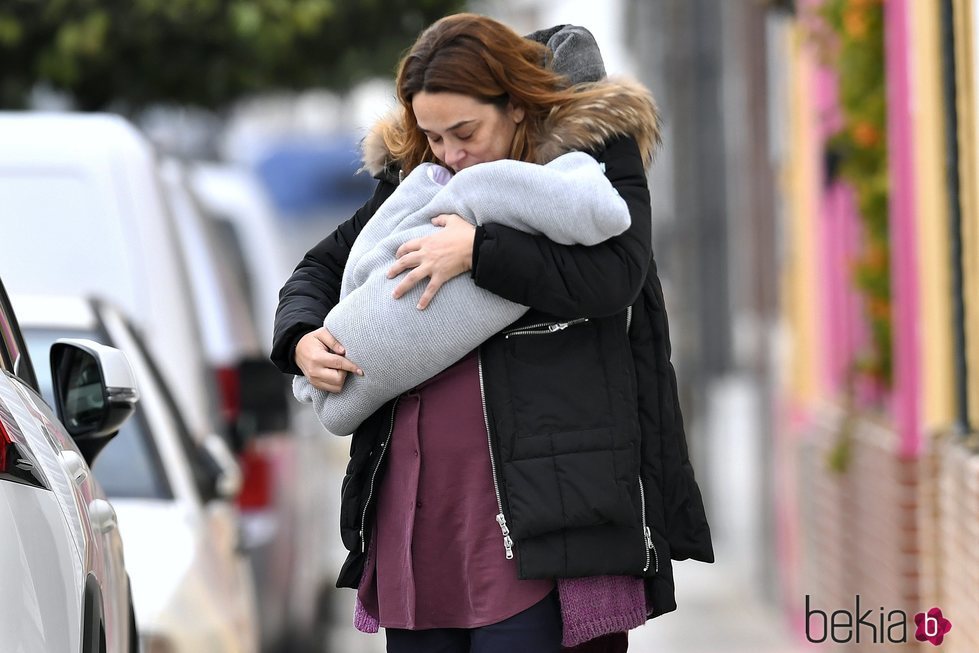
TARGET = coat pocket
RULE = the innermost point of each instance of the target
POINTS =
(556, 378)
(569, 490)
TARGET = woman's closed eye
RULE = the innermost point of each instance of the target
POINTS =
(435, 140)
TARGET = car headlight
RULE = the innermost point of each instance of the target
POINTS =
(155, 643)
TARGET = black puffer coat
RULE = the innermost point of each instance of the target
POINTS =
(585, 431)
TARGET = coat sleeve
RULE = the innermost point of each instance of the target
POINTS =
(314, 287)
(574, 280)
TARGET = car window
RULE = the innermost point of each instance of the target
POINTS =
(129, 466)
(202, 465)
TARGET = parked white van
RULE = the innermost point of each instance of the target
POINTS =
(297, 598)
(274, 478)
(82, 212)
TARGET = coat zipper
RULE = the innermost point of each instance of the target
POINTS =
(370, 493)
(543, 328)
(500, 517)
(646, 532)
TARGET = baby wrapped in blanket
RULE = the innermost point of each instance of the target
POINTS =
(569, 200)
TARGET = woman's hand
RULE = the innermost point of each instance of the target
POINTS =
(439, 257)
(321, 358)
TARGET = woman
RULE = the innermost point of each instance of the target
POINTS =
(554, 455)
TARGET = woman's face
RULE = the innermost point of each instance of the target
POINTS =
(463, 131)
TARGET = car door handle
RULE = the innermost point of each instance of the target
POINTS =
(102, 515)
(75, 465)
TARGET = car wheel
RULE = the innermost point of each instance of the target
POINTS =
(93, 629)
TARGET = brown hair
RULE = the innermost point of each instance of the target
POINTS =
(484, 59)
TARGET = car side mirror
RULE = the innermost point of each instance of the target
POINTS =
(94, 392)
(264, 397)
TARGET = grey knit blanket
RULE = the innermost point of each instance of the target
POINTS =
(568, 200)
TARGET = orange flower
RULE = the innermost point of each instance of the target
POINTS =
(875, 257)
(865, 134)
(854, 22)
(879, 309)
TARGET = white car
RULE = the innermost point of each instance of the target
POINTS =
(84, 213)
(62, 572)
(272, 528)
(233, 198)
(191, 586)
(239, 210)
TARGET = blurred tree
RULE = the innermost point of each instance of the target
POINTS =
(200, 52)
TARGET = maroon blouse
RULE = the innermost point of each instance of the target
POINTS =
(437, 558)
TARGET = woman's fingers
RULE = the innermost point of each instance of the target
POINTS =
(441, 256)
(406, 262)
(409, 281)
(329, 372)
(321, 359)
(430, 290)
(329, 380)
(412, 278)
(337, 362)
(324, 336)
(332, 355)
(409, 246)
(309, 347)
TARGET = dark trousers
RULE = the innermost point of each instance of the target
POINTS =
(613, 643)
(535, 630)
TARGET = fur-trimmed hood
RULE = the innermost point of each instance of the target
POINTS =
(620, 107)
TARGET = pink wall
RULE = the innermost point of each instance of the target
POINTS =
(838, 235)
(904, 278)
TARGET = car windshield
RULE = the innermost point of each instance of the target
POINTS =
(129, 466)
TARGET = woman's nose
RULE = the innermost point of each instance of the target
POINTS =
(454, 156)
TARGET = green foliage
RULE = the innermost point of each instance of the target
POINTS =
(858, 26)
(855, 49)
(200, 52)
(840, 455)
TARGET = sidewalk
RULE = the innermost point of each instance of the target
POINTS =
(716, 613)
